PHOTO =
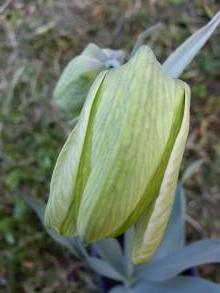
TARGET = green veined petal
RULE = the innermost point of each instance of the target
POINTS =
(152, 224)
(68, 177)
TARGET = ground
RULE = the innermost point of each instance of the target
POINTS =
(37, 39)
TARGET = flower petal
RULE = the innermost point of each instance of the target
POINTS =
(71, 171)
(152, 224)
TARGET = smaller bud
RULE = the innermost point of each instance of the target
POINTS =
(78, 76)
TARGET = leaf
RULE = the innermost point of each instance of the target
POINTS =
(144, 35)
(191, 170)
(196, 254)
(128, 245)
(181, 284)
(103, 268)
(110, 251)
(72, 244)
(120, 289)
(13, 84)
(37, 206)
(183, 55)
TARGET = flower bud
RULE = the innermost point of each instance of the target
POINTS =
(78, 76)
(119, 166)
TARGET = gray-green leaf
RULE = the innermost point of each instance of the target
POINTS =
(183, 55)
(103, 268)
(198, 253)
(181, 284)
(71, 243)
(111, 252)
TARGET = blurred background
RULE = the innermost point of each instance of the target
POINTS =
(37, 39)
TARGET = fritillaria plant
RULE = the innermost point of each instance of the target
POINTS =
(117, 172)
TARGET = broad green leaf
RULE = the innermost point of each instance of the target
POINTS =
(196, 254)
(71, 243)
(151, 226)
(111, 252)
(103, 268)
(183, 55)
(182, 284)
(63, 204)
